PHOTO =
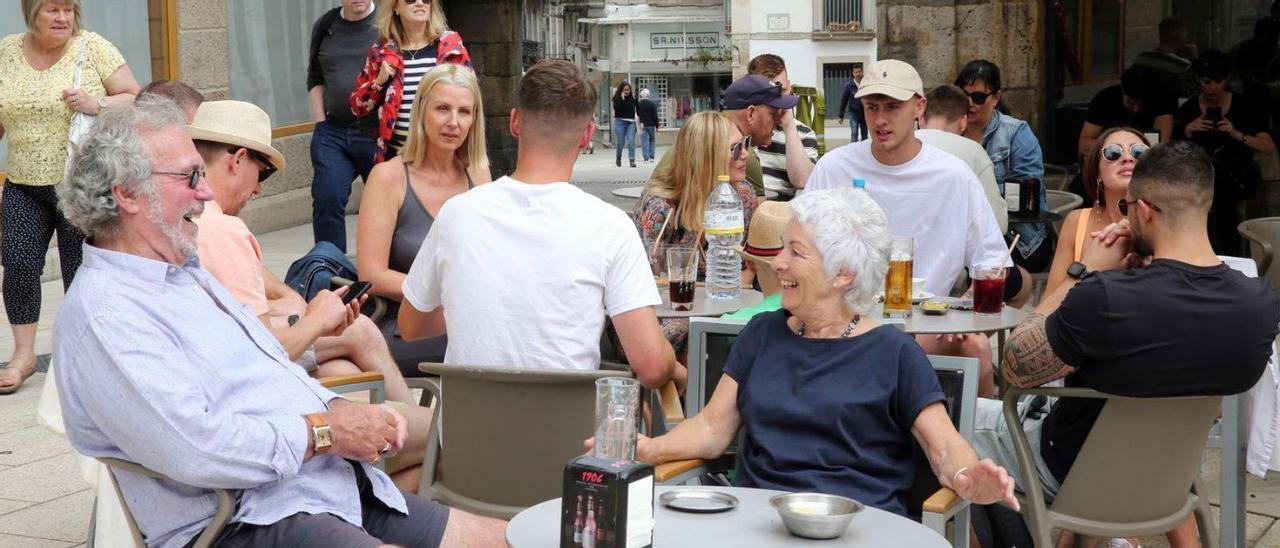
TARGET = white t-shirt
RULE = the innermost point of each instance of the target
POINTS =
(526, 274)
(934, 198)
(972, 153)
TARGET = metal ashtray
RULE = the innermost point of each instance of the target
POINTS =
(815, 515)
(702, 501)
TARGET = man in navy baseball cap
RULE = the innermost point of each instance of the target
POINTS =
(756, 106)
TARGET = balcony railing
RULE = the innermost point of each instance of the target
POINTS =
(841, 16)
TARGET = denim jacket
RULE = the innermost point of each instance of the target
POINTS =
(1015, 153)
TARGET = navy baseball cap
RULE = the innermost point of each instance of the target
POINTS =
(754, 89)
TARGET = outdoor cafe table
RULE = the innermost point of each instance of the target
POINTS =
(702, 306)
(636, 191)
(754, 523)
(1040, 217)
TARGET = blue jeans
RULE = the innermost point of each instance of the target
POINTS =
(338, 154)
(648, 137)
(625, 135)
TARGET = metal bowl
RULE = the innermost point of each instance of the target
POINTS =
(815, 515)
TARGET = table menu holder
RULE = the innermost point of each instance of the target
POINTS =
(606, 504)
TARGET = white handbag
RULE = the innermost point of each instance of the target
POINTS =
(80, 122)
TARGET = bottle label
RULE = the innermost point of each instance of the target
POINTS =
(724, 222)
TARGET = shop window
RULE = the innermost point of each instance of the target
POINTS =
(1099, 44)
(269, 44)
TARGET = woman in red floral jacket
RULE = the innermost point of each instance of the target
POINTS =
(413, 37)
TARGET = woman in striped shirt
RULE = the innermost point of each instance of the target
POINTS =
(413, 38)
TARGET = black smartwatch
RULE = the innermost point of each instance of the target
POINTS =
(293, 318)
(1078, 271)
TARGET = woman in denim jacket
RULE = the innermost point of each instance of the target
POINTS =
(1015, 154)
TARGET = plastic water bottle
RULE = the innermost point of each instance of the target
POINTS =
(860, 183)
(723, 224)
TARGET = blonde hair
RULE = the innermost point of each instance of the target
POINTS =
(32, 7)
(701, 153)
(472, 152)
(391, 29)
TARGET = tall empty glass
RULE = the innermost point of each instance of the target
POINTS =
(897, 284)
(617, 418)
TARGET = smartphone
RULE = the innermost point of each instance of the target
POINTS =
(1213, 114)
(355, 291)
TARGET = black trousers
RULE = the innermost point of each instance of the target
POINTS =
(29, 216)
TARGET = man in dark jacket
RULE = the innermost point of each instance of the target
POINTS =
(858, 121)
(647, 112)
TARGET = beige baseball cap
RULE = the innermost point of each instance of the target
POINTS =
(891, 77)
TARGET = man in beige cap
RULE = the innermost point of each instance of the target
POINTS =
(234, 138)
(927, 195)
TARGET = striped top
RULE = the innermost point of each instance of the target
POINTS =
(773, 158)
(416, 63)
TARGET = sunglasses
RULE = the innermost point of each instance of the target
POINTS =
(412, 2)
(979, 97)
(1113, 152)
(193, 178)
(1123, 205)
(736, 151)
(268, 169)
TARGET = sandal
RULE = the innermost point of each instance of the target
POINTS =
(18, 385)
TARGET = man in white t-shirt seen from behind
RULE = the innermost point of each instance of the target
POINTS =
(525, 269)
(927, 195)
(946, 114)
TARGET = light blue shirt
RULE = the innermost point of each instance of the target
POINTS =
(1015, 152)
(159, 365)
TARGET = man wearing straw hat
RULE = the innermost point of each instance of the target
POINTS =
(927, 194)
(234, 138)
(764, 242)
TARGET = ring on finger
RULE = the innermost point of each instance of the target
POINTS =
(385, 449)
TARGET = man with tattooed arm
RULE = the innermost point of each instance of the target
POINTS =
(1149, 311)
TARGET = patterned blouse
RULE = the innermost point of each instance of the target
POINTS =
(35, 118)
(650, 213)
(369, 98)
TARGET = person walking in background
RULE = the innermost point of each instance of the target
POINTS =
(412, 37)
(37, 102)
(342, 145)
(624, 123)
(647, 113)
(849, 103)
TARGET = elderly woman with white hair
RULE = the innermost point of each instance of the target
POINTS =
(829, 398)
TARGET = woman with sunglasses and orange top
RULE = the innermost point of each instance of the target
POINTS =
(1106, 172)
(671, 209)
(413, 38)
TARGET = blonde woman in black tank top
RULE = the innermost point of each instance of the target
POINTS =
(443, 157)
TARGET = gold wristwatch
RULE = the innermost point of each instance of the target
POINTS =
(320, 431)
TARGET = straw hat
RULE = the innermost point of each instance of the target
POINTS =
(764, 239)
(236, 123)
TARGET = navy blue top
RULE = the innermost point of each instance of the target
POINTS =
(830, 415)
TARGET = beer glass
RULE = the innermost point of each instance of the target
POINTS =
(988, 289)
(617, 418)
(897, 284)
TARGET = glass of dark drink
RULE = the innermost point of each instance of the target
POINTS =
(988, 289)
(682, 275)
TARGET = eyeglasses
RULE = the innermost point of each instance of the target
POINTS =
(1124, 205)
(736, 151)
(268, 169)
(193, 178)
(1112, 152)
(979, 97)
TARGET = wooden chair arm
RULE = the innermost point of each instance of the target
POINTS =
(942, 502)
(345, 380)
(671, 407)
(668, 470)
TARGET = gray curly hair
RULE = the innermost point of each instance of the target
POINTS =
(852, 235)
(114, 154)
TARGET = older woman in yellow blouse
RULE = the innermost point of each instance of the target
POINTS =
(36, 104)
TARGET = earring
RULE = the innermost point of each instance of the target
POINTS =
(835, 285)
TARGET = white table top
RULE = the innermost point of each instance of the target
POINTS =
(956, 321)
(637, 191)
(702, 306)
(754, 523)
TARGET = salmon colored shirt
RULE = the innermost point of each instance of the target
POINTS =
(230, 252)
